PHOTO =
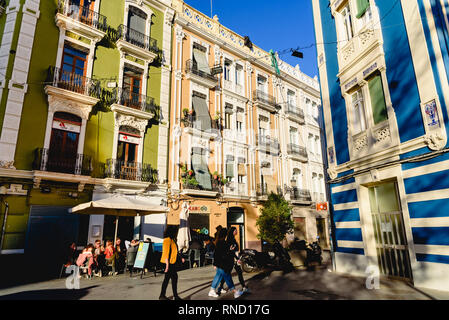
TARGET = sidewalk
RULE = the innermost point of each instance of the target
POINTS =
(194, 284)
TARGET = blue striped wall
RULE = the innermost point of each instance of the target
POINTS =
(429, 209)
(428, 182)
(432, 258)
(431, 236)
(337, 103)
(443, 38)
(346, 215)
(400, 71)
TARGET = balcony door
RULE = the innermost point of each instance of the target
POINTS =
(62, 154)
(127, 153)
(132, 88)
(73, 69)
(137, 21)
(82, 10)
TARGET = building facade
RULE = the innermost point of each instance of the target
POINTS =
(384, 85)
(238, 131)
(85, 88)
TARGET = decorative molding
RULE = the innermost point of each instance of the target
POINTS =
(131, 121)
(435, 141)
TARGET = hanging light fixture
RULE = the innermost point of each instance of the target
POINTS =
(297, 54)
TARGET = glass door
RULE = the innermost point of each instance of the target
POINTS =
(389, 232)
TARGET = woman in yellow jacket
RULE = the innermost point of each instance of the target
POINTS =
(169, 257)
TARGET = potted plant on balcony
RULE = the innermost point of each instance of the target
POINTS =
(217, 120)
(187, 118)
(218, 179)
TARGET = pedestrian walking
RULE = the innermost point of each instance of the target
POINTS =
(234, 247)
(170, 258)
(223, 264)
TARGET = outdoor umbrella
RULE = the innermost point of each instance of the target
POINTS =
(118, 206)
(184, 229)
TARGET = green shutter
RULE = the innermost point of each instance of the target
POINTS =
(202, 115)
(378, 105)
(362, 6)
(202, 175)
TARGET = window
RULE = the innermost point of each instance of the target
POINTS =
(202, 115)
(200, 62)
(347, 23)
(73, 64)
(63, 150)
(293, 136)
(201, 168)
(132, 87)
(82, 10)
(227, 120)
(297, 178)
(262, 84)
(364, 10)
(311, 143)
(309, 107)
(291, 99)
(359, 120)
(238, 75)
(137, 21)
(227, 70)
(129, 139)
(317, 145)
(239, 125)
(378, 105)
(230, 167)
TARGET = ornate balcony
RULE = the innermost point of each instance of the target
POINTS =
(73, 17)
(44, 160)
(265, 101)
(71, 81)
(297, 152)
(125, 97)
(133, 171)
(267, 143)
(82, 14)
(137, 43)
(295, 113)
(298, 195)
(203, 77)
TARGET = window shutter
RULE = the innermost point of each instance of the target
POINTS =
(202, 175)
(201, 60)
(362, 6)
(377, 99)
(202, 114)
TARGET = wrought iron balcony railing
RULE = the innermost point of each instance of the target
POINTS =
(268, 142)
(297, 150)
(192, 67)
(54, 161)
(137, 38)
(82, 14)
(215, 187)
(125, 97)
(295, 111)
(261, 96)
(261, 189)
(134, 171)
(71, 81)
(300, 194)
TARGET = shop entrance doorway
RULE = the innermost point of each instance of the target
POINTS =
(236, 218)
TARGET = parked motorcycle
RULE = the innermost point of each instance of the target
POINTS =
(313, 254)
(278, 257)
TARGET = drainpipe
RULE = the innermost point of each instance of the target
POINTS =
(4, 225)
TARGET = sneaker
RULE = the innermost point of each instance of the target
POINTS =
(224, 290)
(212, 293)
(237, 294)
(245, 290)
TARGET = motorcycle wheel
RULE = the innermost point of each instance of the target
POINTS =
(248, 268)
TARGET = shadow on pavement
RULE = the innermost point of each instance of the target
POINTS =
(50, 294)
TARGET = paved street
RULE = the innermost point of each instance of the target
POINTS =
(194, 284)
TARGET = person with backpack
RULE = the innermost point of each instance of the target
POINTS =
(170, 258)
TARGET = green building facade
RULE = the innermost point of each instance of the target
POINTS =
(84, 99)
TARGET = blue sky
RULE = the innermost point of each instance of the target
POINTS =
(276, 25)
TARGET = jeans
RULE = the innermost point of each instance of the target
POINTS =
(173, 275)
(239, 274)
(221, 274)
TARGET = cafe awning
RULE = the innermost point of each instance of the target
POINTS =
(119, 206)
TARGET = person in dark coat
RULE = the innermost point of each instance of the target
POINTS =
(232, 243)
(223, 264)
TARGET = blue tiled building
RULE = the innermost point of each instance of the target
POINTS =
(384, 73)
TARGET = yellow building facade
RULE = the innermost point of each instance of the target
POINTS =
(238, 130)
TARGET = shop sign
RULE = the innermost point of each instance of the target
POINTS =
(321, 206)
(129, 139)
(202, 209)
(66, 126)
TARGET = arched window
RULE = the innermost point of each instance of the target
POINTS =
(128, 144)
(63, 150)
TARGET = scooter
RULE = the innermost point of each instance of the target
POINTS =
(252, 260)
(313, 254)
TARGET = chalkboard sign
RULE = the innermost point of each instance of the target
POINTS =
(141, 256)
